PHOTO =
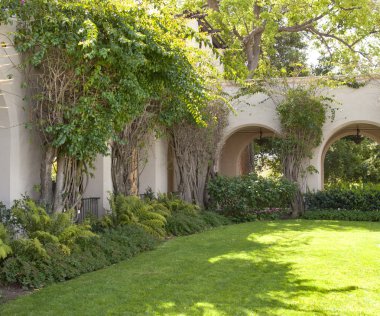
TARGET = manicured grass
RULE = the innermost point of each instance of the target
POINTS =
(261, 268)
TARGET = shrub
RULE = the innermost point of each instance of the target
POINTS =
(181, 224)
(4, 213)
(5, 249)
(243, 196)
(348, 199)
(59, 228)
(131, 210)
(186, 218)
(344, 215)
(175, 205)
(33, 266)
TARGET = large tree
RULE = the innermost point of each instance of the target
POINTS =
(343, 29)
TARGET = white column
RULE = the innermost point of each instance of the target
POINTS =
(20, 150)
(100, 185)
(154, 174)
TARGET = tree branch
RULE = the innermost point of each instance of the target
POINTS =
(302, 26)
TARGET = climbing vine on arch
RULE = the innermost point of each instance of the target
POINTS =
(302, 113)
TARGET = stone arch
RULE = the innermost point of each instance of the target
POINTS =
(236, 142)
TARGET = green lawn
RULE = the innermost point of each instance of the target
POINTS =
(262, 268)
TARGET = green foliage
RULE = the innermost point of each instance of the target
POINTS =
(176, 205)
(181, 224)
(266, 160)
(166, 215)
(239, 196)
(347, 161)
(5, 249)
(33, 266)
(269, 32)
(131, 210)
(343, 215)
(185, 223)
(302, 115)
(41, 228)
(347, 199)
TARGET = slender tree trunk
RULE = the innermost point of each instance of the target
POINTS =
(46, 196)
(133, 176)
(291, 173)
(297, 204)
(252, 48)
(251, 158)
(60, 185)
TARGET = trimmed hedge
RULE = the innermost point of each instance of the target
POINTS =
(343, 215)
(356, 199)
(242, 197)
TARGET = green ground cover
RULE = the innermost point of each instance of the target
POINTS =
(260, 268)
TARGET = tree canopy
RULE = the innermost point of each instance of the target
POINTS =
(344, 30)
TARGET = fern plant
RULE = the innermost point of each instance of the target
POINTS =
(176, 205)
(130, 210)
(58, 228)
(5, 249)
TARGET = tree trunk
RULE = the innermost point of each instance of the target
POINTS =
(60, 185)
(213, 4)
(46, 196)
(297, 204)
(125, 169)
(291, 173)
(252, 48)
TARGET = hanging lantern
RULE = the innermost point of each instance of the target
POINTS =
(260, 141)
(358, 138)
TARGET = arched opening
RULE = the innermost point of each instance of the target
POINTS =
(236, 153)
(352, 155)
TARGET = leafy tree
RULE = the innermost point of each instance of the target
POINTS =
(339, 28)
(302, 113)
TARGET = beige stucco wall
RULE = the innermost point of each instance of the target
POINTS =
(19, 147)
(355, 108)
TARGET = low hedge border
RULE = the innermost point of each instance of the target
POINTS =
(343, 215)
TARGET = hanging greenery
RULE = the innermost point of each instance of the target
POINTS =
(92, 67)
(302, 113)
